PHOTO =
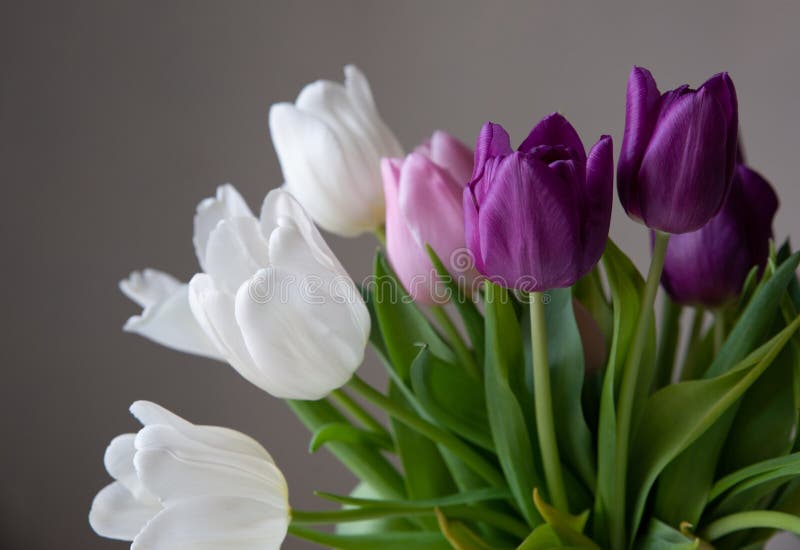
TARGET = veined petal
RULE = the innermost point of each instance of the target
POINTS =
(118, 461)
(360, 93)
(116, 514)
(314, 165)
(166, 318)
(430, 201)
(214, 310)
(305, 342)
(452, 155)
(554, 129)
(597, 201)
(152, 414)
(409, 260)
(236, 249)
(281, 209)
(227, 204)
(682, 179)
(175, 467)
(493, 141)
(641, 113)
(528, 198)
(211, 523)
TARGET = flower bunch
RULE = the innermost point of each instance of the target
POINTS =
(533, 402)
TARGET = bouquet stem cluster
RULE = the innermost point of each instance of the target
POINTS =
(531, 402)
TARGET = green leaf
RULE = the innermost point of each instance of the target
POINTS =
(766, 419)
(756, 320)
(542, 538)
(506, 417)
(756, 474)
(626, 288)
(451, 398)
(347, 433)
(459, 535)
(660, 536)
(565, 355)
(403, 327)
(470, 315)
(569, 528)
(677, 415)
(398, 540)
(366, 463)
(426, 473)
(684, 485)
(465, 497)
(589, 292)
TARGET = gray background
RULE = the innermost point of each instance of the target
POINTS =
(116, 118)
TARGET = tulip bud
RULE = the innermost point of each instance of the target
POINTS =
(678, 152)
(538, 218)
(180, 485)
(709, 266)
(329, 144)
(423, 207)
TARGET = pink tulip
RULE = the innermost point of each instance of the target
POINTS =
(423, 206)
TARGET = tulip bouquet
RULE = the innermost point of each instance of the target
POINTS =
(533, 401)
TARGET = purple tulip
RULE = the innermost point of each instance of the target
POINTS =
(537, 218)
(423, 207)
(709, 266)
(678, 152)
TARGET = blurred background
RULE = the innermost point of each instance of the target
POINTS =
(117, 118)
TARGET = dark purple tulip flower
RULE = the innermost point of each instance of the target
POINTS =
(708, 266)
(678, 152)
(537, 218)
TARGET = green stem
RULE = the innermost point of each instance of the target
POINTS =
(752, 520)
(627, 394)
(358, 412)
(543, 402)
(689, 371)
(460, 347)
(463, 451)
(667, 343)
(719, 330)
(483, 515)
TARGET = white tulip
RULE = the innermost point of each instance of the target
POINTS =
(273, 300)
(329, 144)
(181, 486)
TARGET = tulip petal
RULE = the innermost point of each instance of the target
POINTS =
(174, 467)
(118, 461)
(493, 141)
(721, 87)
(597, 204)
(408, 258)
(430, 202)
(641, 112)
(236, 249)
(152, 414)
(166, 318)
(214, 310)
(528, 225)
(116, 514)
(227, 204)
(450, 154)
(215, 523)
(553, 130)
(682, 184)
(360, 94)
(314, 163)
(280, 209)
